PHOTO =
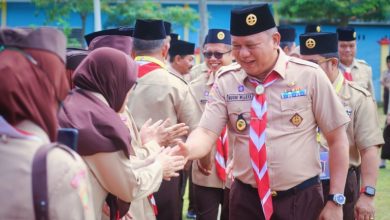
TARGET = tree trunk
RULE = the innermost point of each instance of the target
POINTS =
(204, 27)
(83, 17)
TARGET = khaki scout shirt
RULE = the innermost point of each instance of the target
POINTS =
(198, 70)
(69, 189)
(363, 130)
(361, 74)
(292, 149)
(141, 208)
(128, 179)
(160, 95)
(185, 77)
(199, 89)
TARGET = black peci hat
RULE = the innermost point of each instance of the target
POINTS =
(174, 36)
(312, 28)
(218, 36)
(180, 47)
(346, 33)
(121, 31)
(318, 43)
(149, 30)
(167, 27)
(287, 33)
(250, 20)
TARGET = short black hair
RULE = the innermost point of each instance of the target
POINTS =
(388, 58)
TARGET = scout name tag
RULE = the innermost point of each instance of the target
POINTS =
(293, 93)
(324, 158)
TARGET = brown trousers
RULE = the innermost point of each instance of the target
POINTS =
(207, 201)
(305, 204)
(168, 200)
(351, 192)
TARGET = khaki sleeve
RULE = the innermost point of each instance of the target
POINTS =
(69, 187)
(366, 125)
(149, 149)
(127, 179)
(187, 109)
(328, 110)
(214, 117)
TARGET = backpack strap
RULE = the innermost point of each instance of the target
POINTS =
(39, 179)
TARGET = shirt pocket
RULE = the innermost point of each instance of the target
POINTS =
(235, 124)
(296, 113)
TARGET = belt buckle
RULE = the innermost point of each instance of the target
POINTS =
(274, 193)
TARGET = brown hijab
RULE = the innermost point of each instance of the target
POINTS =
(110, 73)
(74, 56)
(32, 76)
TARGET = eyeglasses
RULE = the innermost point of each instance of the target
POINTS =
(217, 55)
(321, 60)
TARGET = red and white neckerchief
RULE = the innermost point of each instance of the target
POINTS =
(147, 64)
(221, 154)
(347, 74)
(153, 203)
(257, 148)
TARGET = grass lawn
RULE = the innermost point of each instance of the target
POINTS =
(382, 199)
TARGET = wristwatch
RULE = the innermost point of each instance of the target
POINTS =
(368, 190)
(338, 199)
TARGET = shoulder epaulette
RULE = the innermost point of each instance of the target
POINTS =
(357, 87)
(225, 69)
(303, 62)
(362, 61)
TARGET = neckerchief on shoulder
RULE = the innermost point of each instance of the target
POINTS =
(13, 132)
(147, 64)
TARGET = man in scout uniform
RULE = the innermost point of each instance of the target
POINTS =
(216, 52)
(210, 188)
(276, 164)
(364, 134)
(352, 68)
(287, 38)
(181, 58)
(159, 94)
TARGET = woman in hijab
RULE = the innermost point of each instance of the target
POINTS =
(32, 85)
(103, 81)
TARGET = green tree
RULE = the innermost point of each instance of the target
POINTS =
(335, 11)
(58, 10)
(125, 13)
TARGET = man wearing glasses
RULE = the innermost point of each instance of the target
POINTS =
(216, 52)
(209, 185)
(364, 134)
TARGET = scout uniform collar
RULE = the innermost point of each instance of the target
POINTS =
(150, 59)
(211, 77)
(20, 131)
(353, 65)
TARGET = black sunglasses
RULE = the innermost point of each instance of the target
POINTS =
(217, 55)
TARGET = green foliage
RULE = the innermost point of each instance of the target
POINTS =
(335, 11)
(59, 10)
(125, 13)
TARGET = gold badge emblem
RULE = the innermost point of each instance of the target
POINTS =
(240, 123)
(318, 29)
(251, 19)
(291, 84)
(310, 43)
(354, 35)
(220, 35)
(296, 119)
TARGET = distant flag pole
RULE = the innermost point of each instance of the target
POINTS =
(97, 15)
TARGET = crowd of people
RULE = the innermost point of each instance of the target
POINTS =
(262, 129)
